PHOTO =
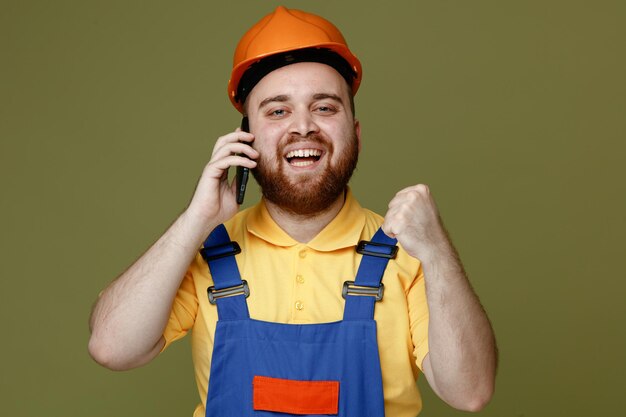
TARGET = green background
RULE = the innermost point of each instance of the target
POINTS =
(512, 112)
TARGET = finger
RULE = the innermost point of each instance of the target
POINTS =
(420, 188)
(402, 198)
(233, 137)
(234, 161)
(236, 148)
(388, 230)
(390, 224)
(417, 195)
(233, 187)
(396, 201)
(219, 167)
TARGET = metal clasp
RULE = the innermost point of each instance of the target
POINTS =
(228, 291)
(349, 288)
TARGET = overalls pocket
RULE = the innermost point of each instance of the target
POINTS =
(295, 397)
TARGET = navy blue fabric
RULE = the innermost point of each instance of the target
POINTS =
(225, 273)
(370, 274)
(344, 351)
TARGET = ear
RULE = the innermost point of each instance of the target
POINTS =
(357, 130)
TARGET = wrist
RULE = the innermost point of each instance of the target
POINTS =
(432, 243)
(194, 227)
(442, 266)
(436, 251)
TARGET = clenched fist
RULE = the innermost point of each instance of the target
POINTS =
(414, 220)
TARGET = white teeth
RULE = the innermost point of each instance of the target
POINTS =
(303, 153)
(301, 163)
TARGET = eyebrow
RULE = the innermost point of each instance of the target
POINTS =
(279, 98)
(283, 98)
(322, 96)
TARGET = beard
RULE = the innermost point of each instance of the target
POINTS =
(307, 193)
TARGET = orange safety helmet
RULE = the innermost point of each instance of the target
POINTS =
(283, 31)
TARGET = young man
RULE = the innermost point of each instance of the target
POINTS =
(285, 340)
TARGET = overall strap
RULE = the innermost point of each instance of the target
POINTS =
(229, 292)
(367, 288)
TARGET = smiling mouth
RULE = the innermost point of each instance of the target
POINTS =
(303, 157)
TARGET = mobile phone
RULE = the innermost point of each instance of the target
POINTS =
(242, 172)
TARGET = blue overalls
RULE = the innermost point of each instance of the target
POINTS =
(273, 369)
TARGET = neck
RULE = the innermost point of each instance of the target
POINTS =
(300, 227)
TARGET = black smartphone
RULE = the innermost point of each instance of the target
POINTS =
(242, 172)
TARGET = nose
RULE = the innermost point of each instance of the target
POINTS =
(303, 124)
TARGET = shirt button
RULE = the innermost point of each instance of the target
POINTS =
(300, 279)
(302, 253)
(299, 305)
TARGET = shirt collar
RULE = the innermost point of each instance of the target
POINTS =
(342, 232)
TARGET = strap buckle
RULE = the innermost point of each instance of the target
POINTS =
(241, 289)
(350, 288)
(212, 253)
(392, 250)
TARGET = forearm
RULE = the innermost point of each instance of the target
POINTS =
(462, 351)
(129, 317)
(461, 362)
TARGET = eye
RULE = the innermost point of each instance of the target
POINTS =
(326, 109)
(277, 113)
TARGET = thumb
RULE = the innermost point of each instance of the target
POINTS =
(233, 186)
(387, 229)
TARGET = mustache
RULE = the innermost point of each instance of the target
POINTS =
(311, 137)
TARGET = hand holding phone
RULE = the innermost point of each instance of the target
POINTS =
(242, 172)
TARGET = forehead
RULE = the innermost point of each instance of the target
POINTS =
(300, 80)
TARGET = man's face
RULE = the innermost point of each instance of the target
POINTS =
(306, 135)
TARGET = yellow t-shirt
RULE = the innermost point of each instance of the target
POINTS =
(292, 282)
